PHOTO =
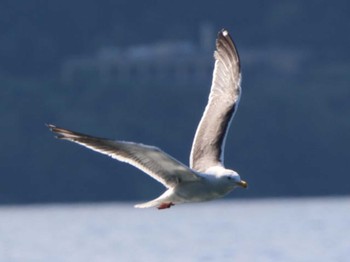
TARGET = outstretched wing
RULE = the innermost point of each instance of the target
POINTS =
(208, 144)
(149, 159)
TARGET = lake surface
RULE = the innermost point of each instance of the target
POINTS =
(305, 229)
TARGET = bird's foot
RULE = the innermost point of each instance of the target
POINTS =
(166, 205)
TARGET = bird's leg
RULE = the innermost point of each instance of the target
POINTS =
(166, 205)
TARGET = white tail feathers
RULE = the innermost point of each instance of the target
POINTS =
(166, 197)
(148, 204)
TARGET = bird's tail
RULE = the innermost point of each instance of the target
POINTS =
(152, 203)
(165, 199)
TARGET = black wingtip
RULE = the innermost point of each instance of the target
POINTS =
(223, 33)
(224, 36)
(50, 126)
(53, 129)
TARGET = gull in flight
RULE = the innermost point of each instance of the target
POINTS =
(206, 178)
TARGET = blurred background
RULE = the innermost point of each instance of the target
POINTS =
(141, 71)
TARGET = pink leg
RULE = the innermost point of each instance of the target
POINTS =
(165, 205)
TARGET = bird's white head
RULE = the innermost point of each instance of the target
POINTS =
(232, 177)
(226, 176)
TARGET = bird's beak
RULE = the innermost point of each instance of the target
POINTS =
(242, 184)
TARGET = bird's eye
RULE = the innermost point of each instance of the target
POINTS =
(229, 178)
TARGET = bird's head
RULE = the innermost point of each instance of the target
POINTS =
(233, 177)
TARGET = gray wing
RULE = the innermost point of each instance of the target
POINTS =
(149, 159)
(208, 144)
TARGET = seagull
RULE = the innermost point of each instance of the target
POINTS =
(206, 178)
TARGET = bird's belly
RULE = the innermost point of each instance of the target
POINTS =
(198, 192)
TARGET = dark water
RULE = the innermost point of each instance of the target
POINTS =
(306, 229)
